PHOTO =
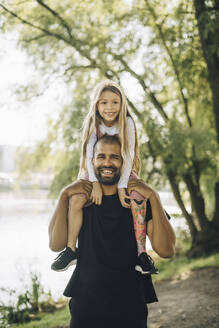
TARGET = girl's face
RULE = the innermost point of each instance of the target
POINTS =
(109, 106)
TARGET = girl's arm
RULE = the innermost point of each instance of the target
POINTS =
(123, 182)
(89, 156)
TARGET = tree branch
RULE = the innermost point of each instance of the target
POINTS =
(176, 192)
(175, 69)
(134, 109)
(152, 152)
(177, 75)
(73, 42)
(55, 14)
(77, 67)
(40, 36)
(24, 21)
(152, 96)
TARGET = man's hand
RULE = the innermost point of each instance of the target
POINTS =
(123, 197)
(97, 193)
(141, 187)
(77, 187)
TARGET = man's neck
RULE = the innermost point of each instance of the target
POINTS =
(109, 190)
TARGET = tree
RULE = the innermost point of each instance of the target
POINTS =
(156, 45)
(207, 15)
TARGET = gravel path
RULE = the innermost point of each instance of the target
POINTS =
(192, 301)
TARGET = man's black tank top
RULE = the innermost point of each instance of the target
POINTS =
(104, 284)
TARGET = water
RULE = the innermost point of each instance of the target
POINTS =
(24, 219)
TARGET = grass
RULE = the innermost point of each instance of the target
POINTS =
(59, 318)
(169, 269)
(173, 268)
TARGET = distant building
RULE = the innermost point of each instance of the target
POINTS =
(7, 158)
(9, 177)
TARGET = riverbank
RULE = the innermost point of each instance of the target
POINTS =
(188, 297)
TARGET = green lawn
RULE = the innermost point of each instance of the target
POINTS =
(59, 318)
(171, 268)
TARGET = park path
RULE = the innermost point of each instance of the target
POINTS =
(192, 301)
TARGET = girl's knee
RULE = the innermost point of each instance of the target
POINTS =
(77, 201)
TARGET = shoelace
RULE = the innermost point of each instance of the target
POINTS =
(59, 255)
(65, 251)
(150, 259)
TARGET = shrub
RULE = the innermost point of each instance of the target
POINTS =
(27, 304)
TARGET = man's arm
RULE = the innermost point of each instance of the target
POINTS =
(159, 230)
(58, 225)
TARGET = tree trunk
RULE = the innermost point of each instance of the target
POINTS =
(197, 201)
(206, 242)
(215, 221)
(175, 188)
(209, 47)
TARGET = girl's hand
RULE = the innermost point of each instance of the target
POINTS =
(123, 197)
(77, 187)
(140, 186)
(97, 193)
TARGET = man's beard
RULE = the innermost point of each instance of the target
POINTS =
(109, 181)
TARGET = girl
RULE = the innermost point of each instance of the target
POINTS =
(108, 114)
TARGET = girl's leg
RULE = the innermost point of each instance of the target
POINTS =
(138, 208)
(75, 217)
(69, 256)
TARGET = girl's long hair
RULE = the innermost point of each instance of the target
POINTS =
(93, 120)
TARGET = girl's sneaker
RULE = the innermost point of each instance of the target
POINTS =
(145, 264)
(64, 260)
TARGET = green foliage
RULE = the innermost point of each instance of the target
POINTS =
(180, 265)
(59, 318)
(65, 173)
(27, 304)
(183, 241)
(209, 21)
(155, 45)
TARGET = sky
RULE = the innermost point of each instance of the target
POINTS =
(21, 123)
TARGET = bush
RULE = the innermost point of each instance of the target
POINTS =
(183, 241)
(27, 304)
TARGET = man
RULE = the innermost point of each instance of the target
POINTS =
(105, 289)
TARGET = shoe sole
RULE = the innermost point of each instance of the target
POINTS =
(138, 268)
(66, 268)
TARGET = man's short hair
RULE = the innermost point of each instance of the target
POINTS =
(107, 139)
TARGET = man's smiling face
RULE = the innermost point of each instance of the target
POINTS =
(107, 162)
